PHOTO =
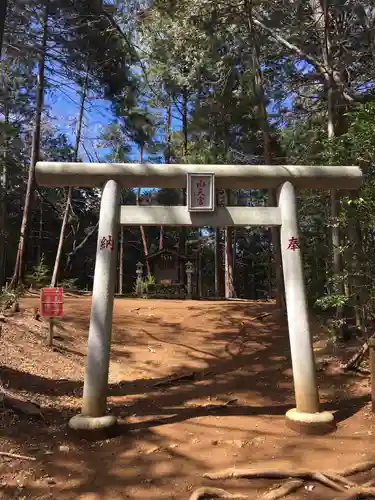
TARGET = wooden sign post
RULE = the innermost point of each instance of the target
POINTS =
(51, 306)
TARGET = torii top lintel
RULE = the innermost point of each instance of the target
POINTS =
(130, 175)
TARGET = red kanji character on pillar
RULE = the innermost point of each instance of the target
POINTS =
(106, 243)
(293, 244)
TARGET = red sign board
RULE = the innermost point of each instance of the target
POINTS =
(51, 302)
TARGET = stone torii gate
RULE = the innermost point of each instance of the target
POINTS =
(306, 417)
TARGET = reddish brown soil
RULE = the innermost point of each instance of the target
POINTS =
(169, 436)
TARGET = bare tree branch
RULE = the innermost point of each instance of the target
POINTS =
(312, 60)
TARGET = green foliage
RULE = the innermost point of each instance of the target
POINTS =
(70, 284)
(143, 287)
(8, 296)
(93, 38)
(331, 301)
(148, 283)
(182, 83)
(40, 275)
(118, 143)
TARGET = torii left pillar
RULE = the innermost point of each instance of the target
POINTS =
(95, 387)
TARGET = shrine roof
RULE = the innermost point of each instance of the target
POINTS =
(167, 251)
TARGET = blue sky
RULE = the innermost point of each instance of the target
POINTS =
(64, 108)
(64, 101)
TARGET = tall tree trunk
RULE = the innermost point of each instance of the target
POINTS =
(276, 246)
(200, 271)
(161, 238)
(263, 118)
(3, 14)
(334, 127)
(121, 263)
(228, 256)
(40, 234)
(70, 190)
(357, 275)
(228, 262)
(185, 123)
(217, 262)
(35, 148)
(218, 253)
(168, 134)
(167, 157)
(183, 230)
(338, 100)
(121, 249)
(3, 197)
(77, 248)
(220, 249)
(141, 228)
(234, 249)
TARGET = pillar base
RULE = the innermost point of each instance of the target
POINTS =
(310, 423)
(84, 423)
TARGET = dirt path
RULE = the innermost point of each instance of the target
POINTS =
(169, 435)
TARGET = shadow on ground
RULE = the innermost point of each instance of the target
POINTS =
(167, 431)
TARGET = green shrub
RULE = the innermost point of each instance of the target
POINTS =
(40, 276)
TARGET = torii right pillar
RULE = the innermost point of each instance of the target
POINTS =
(306, 417)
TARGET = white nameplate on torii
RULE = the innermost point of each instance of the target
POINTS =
(200, 192)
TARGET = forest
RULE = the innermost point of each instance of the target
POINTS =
(287, 82)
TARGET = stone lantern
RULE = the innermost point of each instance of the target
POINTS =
(189, 271)
(139, 272)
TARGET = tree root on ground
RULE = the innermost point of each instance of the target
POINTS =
(202, 493)
(357, 494)
(19, 405)
(15, 455)
(283, 490)
(172, 380)
(355, 360)
(335, 480)
(306, 475)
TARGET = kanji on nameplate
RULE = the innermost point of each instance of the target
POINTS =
(201, 192)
